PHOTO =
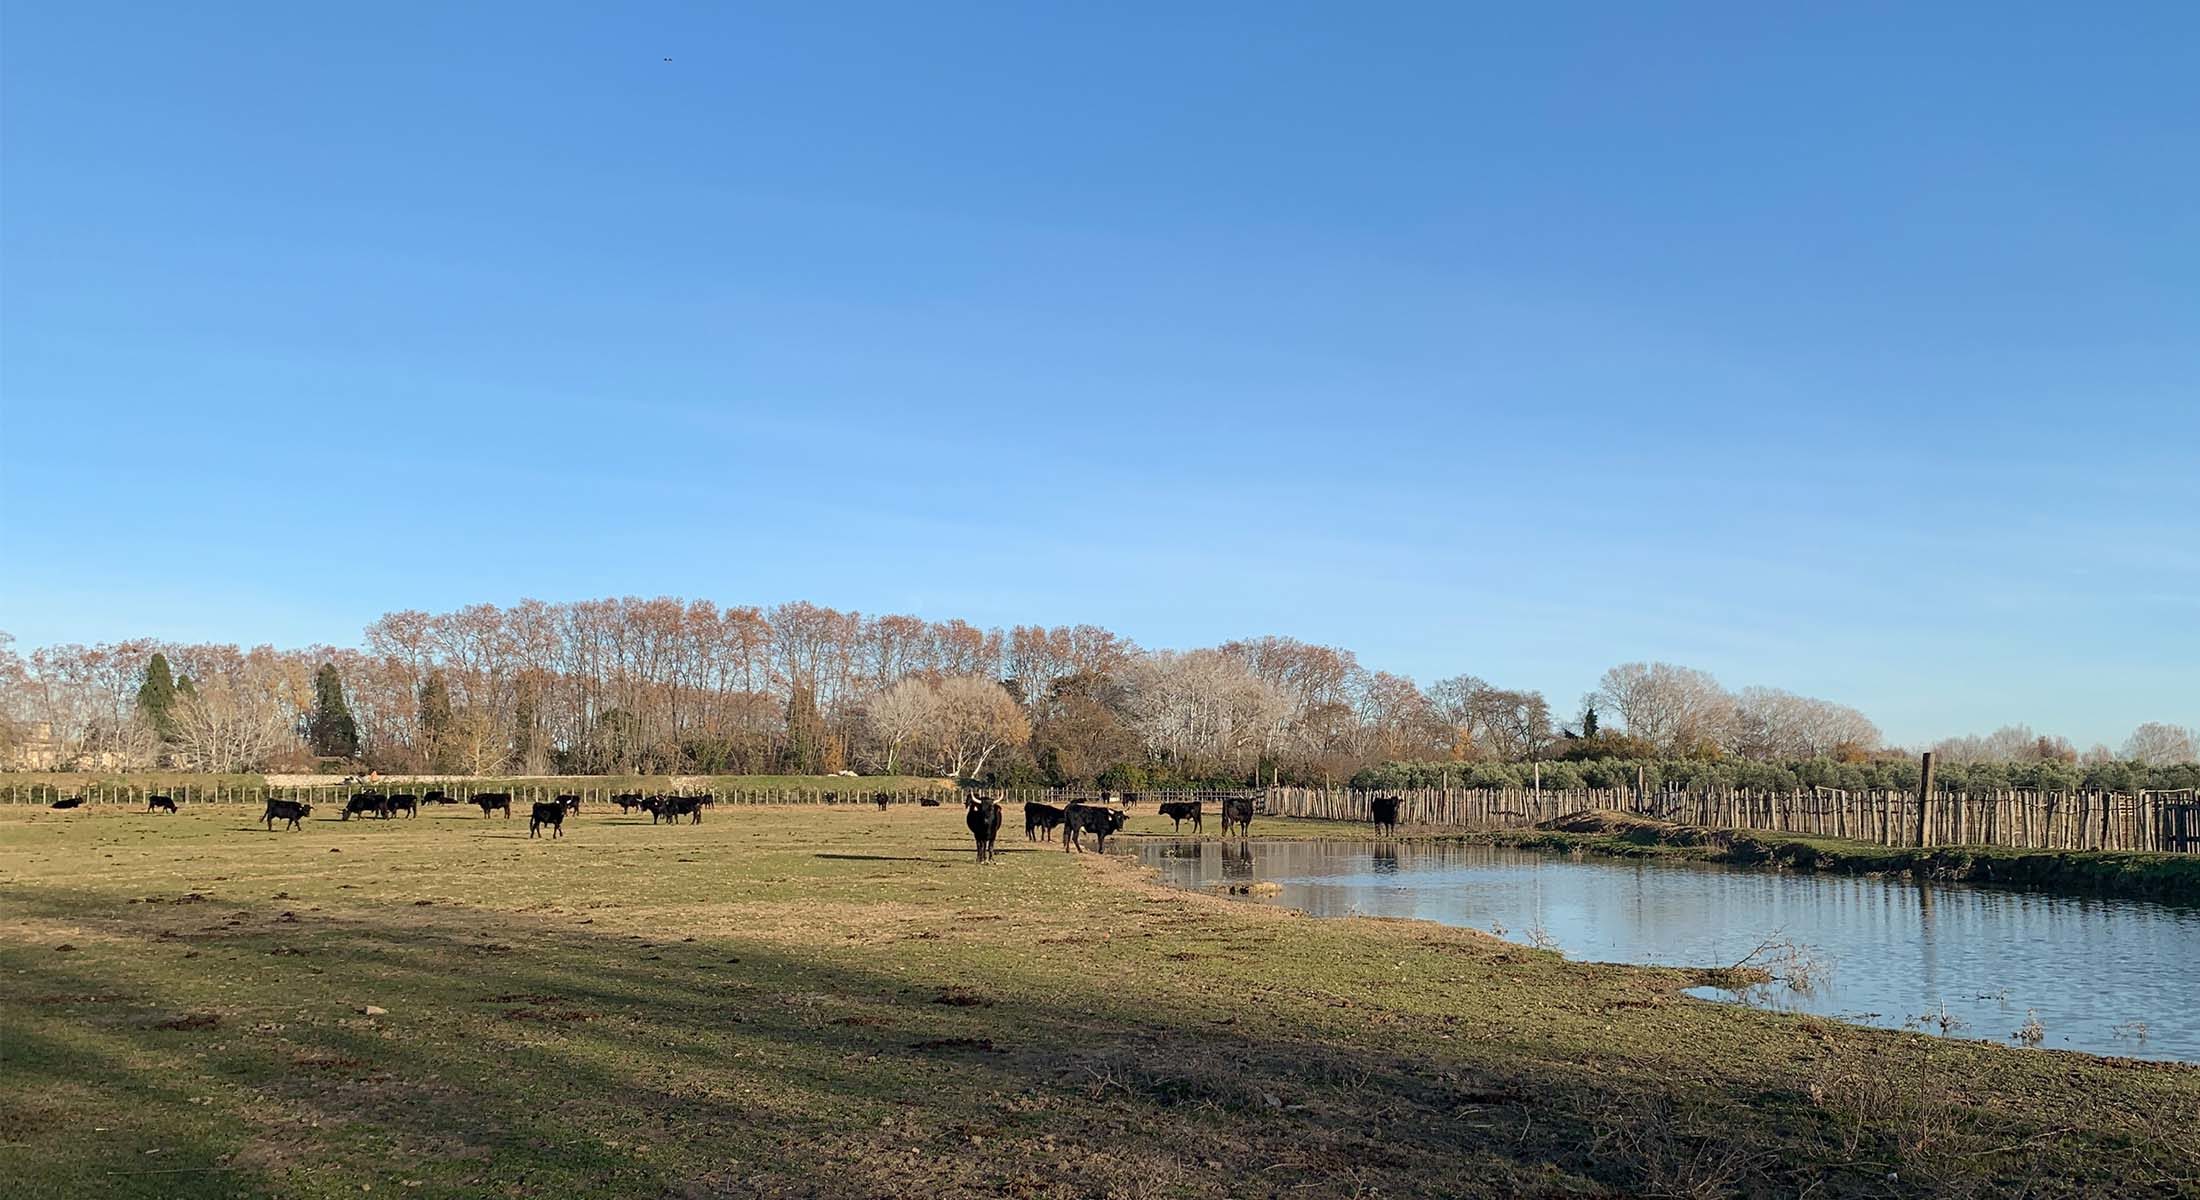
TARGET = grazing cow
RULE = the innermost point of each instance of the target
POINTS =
(881, 799)
(71, 802)
(493, 801)
(160, 804)
(403, 800)
(627, 801)
(1238, 811)
(983, 815)
(570, 802)
(1040, 818)
(367, 802)
(1130, 801)
(670, 809)
(1181, 811)
(292, 811)
(1383, 810)
(929, 801)
(1081, 819)
(437, 798)
(551, 814)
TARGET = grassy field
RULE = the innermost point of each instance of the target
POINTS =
(838, 1002)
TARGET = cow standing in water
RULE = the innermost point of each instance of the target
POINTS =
(983, 815)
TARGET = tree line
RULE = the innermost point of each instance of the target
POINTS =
(667, 686)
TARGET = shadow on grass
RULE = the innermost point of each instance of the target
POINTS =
(528, 1057)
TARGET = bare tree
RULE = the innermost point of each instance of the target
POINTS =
(899, 715)
(2158, 744)
(973, 719)
(1205, 709)
(230, 723)
(1679, 709)
(1769, 723)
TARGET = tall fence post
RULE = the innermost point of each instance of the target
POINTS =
(1924, 796)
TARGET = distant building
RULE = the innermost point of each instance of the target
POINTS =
(38, 750)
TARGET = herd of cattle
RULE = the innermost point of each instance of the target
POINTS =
(981, 813)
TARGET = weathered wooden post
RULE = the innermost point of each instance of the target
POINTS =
(1924, 795)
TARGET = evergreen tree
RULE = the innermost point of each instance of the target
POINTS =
(525, 749)
(156, 697)
(805, 734)
(1589, 720)
(331, 729)
(436, 722)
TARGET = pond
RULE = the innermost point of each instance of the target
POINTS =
(2105, 976)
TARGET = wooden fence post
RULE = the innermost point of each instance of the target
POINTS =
(1924, 795)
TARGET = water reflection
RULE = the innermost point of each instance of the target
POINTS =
(2110, 976)
(1237, 859)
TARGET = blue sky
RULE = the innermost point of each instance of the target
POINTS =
(1855, 352)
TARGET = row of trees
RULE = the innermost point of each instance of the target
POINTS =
(669, 686)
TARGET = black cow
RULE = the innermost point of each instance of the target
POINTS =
(437, 798)
(402, 800)
(1040, 818)
(160, 804)
(1130, 801)
(671, 808)
(292, 811)
(367, 802)
(493, 801)
(551, 814)
(983, 815)
(928, 801)
(1081, 819)
(1238, 811)
(570, 802)
(881, 799)
(71, 802)
(628, 801)
(1383, 810)
(1181, 811)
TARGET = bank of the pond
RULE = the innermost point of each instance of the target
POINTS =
(2171, 877)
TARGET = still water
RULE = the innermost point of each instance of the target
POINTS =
(2106, 976)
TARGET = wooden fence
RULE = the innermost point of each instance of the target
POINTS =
(2149, 821)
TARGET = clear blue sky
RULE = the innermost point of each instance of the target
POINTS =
(1856, 352)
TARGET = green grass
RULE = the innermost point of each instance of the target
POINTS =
(838, 1002)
